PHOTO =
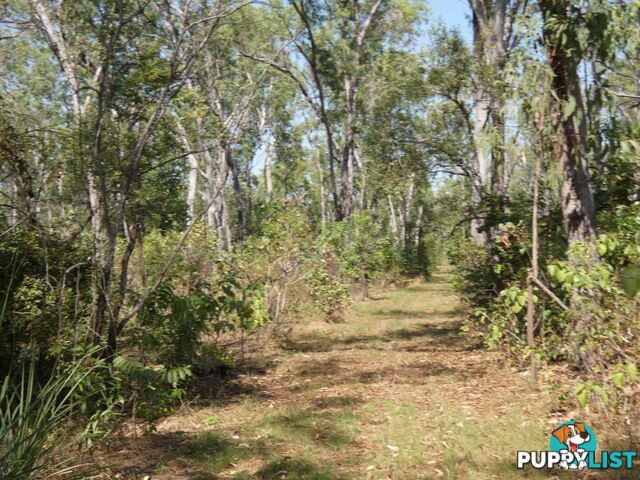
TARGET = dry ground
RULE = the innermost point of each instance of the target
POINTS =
(392, 393)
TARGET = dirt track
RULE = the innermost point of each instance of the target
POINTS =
(392, 393)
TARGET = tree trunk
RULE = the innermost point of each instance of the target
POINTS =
(492, 33)
(96, 202)
(192, 181)
(241, 227)
(266, 148)
(533, 274)
(323, 200)
(418, 227)
(481, 170)
(569, 123)
(220, 210)
(346, 166)
(498, 181)
(407, 201)
(393, 221)
(363, 177)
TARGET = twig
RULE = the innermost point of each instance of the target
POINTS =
(553, 296)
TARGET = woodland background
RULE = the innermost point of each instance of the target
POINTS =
(177, 176)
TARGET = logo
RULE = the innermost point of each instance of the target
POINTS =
(573, 441)
(573, 446)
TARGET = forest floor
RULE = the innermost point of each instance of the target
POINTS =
(394, 392)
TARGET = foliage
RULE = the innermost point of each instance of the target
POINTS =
(32, 417)
(176, 176)
(363, 250)
(171, 325)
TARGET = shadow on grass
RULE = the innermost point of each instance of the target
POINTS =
(215, 451)
(436, 332)
(309, 427)
(207, 392)
(296, 469)
(204, 454)
(438, 337)
(336, 401)
(399, 314)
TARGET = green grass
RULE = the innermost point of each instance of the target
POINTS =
(391, 394)
(311, 430)
(300, 468)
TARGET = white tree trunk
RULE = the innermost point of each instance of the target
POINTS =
(418, 227)
(192, 181)
(393, 221)
(266, 148)
(323, 200)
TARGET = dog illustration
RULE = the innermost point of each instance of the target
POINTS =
(573, 436)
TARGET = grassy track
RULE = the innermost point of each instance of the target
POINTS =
(392, 393)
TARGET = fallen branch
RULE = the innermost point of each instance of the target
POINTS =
(553, 296)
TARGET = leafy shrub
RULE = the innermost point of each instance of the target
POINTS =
(330, 296)
(364, 250)
(43, 290)
(171, 326)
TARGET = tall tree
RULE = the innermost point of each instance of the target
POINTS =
(493, 37)
(568, 115)
(120, 87)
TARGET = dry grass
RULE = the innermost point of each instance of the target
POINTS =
(392, 393)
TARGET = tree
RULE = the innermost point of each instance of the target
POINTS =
(493, 38)
(569, 119)
(102, 50)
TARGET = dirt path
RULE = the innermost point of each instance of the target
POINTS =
(392, 393)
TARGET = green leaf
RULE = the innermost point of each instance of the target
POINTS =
(619, 379)
(630, 276)
(601, 392)
(582, 394)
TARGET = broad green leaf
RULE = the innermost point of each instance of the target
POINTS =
(630, 276)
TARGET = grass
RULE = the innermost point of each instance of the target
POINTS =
(391, 394)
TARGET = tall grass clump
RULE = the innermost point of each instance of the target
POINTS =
(32, 417)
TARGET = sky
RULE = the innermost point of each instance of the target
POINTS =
(453, 13)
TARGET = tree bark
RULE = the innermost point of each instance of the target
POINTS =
(407, 202)
(266, 149)
(241, 215)
(418, 227)
(533, 274)
(192, 179)
(393, 221)
(569, 123)
(323, 200)
(492, 35)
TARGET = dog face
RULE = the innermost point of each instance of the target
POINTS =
(572, 435)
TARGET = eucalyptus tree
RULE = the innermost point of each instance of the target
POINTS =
(227, 110)
(493, 39)
(123, 62)
(394, 160)
(561, 37)
(334, 43)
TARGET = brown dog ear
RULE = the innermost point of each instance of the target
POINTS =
(580, 427)
(561, 433)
